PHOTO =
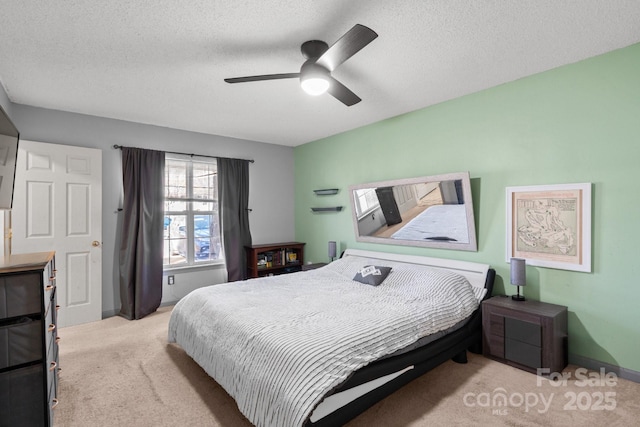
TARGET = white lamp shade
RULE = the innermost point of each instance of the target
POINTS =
(518, 272)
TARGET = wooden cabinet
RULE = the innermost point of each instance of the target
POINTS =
(274, 258)
(525, 334)
(28, 340)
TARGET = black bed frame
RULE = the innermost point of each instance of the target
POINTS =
(452, 346)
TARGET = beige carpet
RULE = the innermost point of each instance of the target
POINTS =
(118, 372)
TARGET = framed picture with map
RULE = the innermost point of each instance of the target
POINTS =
(550, 225)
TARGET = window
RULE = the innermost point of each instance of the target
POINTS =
(191, 231)
(366, 201)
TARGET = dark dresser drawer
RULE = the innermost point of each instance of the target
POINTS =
(21, 397)
(20, 295)
(20, 342)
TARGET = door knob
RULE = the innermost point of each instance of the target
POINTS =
(95, 243)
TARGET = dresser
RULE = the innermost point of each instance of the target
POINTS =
(28, 340)
(526, 334)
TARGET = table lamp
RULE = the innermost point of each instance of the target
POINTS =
(518, 276)
(332, 250)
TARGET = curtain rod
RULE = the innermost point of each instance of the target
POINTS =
(118, 147)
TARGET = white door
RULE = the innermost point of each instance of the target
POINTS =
(405, 197)
(57, 206)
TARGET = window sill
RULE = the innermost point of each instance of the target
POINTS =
(190, 268)
(367, 213)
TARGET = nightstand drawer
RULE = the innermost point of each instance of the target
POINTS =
(526, 332)
(523, 353)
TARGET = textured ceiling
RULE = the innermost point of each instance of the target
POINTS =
(163, 62)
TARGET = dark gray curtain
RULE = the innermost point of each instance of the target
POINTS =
(233, 204)
(141, 238)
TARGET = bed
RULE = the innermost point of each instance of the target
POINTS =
(317, 348)
(439, 222)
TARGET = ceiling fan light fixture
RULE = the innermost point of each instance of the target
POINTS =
(315, 85)
(322, 59)
(314, 78)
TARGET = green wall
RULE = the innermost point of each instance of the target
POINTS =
(577, 123)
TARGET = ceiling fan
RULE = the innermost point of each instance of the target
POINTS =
(315, 74)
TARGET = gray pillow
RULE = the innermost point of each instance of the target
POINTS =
(372, 275)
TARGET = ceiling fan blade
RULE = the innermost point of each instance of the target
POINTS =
(342, 93)
(263, 77)
(348, 45)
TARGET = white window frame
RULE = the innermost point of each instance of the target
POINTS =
(360, 212)
(190, 214)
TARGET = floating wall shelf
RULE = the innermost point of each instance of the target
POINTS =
(326, 191)
(328, 209)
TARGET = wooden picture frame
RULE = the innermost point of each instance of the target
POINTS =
(550, 225)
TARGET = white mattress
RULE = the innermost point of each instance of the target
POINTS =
(438, 223)
(278, 345)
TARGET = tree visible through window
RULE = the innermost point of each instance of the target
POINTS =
(191, 230)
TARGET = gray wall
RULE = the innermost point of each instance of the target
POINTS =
(271, 181)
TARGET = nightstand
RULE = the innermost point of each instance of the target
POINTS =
(307, 267)
(525, 334)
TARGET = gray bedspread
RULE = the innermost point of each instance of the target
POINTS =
(278, 345)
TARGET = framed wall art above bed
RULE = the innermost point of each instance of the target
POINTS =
(550, 225)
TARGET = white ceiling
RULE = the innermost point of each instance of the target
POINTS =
(163, 62)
